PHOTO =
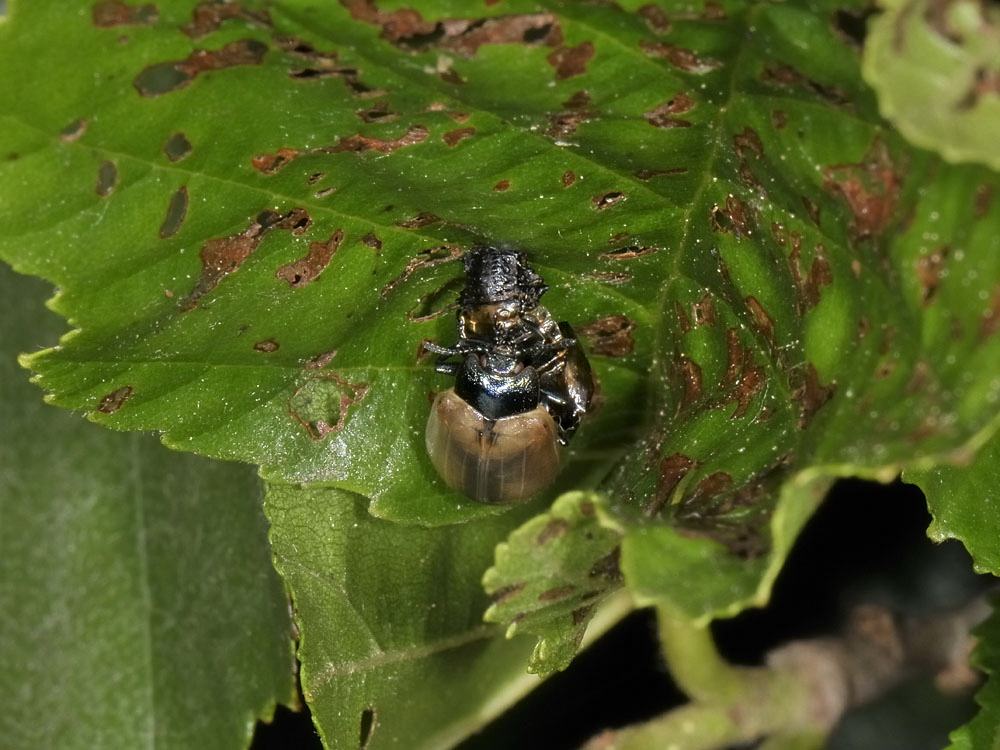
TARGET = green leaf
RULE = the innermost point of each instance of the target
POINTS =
(393, 647)
(936, 70)
(775, 289)
(138, 604)
(983, 732)
(964, 503)
(551, 574)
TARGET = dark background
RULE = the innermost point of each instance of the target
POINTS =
(867, 543)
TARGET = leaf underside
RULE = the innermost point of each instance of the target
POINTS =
(138, 604)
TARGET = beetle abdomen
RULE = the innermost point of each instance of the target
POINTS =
(496, 461)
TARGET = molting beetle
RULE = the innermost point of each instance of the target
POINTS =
(522, 384)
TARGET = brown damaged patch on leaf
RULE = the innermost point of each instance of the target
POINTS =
(209, 16)
(115, 400)
(810, 394)
(320, 360)
(322, 403)
(428, 258)
(502, 187)
(607, 200)
(672, 469)
(506, 593)
(421, 220)
(453, 137)
(357, 144)
(610, 336)
(808, 285)
(779, 119)
(571, 61)
(274, 163)
(177, 147)
(870, 189)
(664, 116)
(680, 57)
(983, 200)
(407, 28)
(371, 240)
(557, 593)
(378, 114)
(748, 144)
(568, 178)
(683, 321)
(628, 252)
(162, 78)
(554, 529)
(608, 567)
(735, 217)
(113, 13)
(648, 174)
(267, 346)
(930, 269)
(306, 270)
(74, 131)
(812, 209)
(614, 278)
(656, 18)
(176, 213)
(321, 65)
(689, 374)
(787, 77)
(703, 311)
(744, 379)
(107, 179)
(225, 255)
(761, 320)
(576, 111)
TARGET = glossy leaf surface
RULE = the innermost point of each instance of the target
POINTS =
(138, 604)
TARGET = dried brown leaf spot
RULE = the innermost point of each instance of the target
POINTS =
(608, 567)
(267, 346)
(748, 144)
(683, 321)
(306, 270)
(607, 200)
(761, 320)
(113, 13)
(648, 174)
(407, 28)
(555, 528)
(177, 147)
(627, 252)
(176, 213)
(983, 200)
(779, 119)
(107, 178)
(930, 269)
(809, 394)
(421, 220)
(115, 400)
(568, 178)
(680, 57)
(428, 258)
(162, 78)
(664, 116)
(506, 593)
(870, 189)
(808, 285)
(502, 186)
(274, 163)
(703, 311)
(656, 18)
(743, 379)
(787, 77)
(209, 16)
(689, 375)
(453, 137)
(735, 217)
(613, 278)
(557, 593)
(225, 255)
(989, 324)
(571, 61)
(672, 469)
(360, 143)
(320, 360)
(610, 337)
(379, 113)
(322, 403)
(74, 131)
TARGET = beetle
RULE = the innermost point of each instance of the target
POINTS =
(522, 384)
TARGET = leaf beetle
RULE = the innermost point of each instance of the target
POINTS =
(522, 384)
